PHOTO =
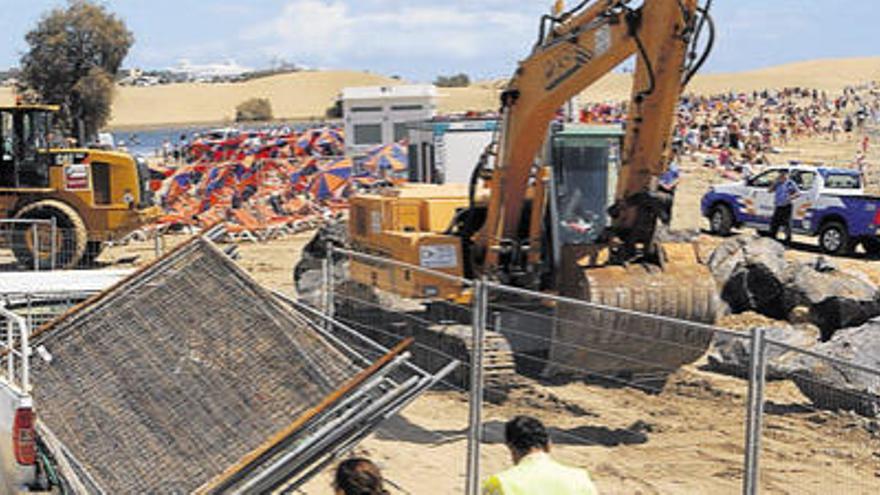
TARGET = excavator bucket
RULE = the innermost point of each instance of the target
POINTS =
(632, 322)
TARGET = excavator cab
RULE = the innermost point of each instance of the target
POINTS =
(585, 163)
(26, 135)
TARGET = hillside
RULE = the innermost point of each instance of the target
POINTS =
(306, 95)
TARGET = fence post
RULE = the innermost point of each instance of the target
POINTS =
(325, 284)
(157, 244)
(331, 285)
(53, 232)
(35, 246)
(475, 416)
(755, 404)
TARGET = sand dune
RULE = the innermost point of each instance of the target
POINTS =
(307, 95)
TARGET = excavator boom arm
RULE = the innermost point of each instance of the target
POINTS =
(581, 49)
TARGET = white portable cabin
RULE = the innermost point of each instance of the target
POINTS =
(375, 115)
(447, 151)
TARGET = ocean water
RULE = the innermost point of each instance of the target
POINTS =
(149, 142)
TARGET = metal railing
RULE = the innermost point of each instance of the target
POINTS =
(16, 350)
(18, 231)
(20, 315)
(710, 425)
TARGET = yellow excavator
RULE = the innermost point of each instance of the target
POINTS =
(88, 195)
(529, 216)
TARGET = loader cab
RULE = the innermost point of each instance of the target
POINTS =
(25, 138)
(585, 161)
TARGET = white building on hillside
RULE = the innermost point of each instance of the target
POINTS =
(379, 114)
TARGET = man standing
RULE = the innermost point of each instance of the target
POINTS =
(666, 185)
(534, 471)
(784, 191)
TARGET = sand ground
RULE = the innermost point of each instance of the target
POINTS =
(686, 440)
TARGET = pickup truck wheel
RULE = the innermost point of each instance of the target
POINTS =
(720, 220)
(834, 238)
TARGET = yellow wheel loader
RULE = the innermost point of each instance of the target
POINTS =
(81, 196)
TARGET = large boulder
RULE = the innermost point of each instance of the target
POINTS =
(753, 275)
(751, 271)
(732, 355)
(836, 386)
(835, 298)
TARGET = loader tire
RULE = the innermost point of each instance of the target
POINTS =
(91, 254)
(70, 242)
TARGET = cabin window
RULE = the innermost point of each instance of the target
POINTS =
(101, 183)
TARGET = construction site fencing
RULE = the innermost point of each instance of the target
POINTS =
(821, 401)
(20, 315)
(443, 332)
(630, 396)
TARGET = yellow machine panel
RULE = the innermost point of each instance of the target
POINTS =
(439, 253)
(407, 225)
(92, 195)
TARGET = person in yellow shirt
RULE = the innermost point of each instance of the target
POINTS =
(534, 471)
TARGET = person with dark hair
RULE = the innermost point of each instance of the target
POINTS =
(358, 476)
(535, 472)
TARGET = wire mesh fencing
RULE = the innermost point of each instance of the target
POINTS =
(644, 402)
(825, 400)
(433, 430)
(626, 395)
(43, 245)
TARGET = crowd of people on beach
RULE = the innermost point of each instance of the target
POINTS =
(257, 179)
(738, 131)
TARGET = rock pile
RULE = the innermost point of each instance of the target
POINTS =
(731, 355)
(753, 275)
(839, 386)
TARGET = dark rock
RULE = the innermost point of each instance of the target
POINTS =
(751, 273)
(836, 298)
(731, 355)
(665, 234)
(834, 386)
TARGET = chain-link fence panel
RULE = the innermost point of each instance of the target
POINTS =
(820, 417)
(627, 396)
(359, 297)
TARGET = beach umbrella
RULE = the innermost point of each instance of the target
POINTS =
(331, 136)
(332, 180)
(387, 158)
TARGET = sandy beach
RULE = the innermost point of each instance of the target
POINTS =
(307, 95)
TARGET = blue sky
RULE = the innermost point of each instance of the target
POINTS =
(419, 39)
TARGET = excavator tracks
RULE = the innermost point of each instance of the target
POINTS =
(441, 331)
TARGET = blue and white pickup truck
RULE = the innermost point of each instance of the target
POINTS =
(832, 205)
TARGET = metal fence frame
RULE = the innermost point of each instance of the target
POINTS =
(757, 341)
(34, 222)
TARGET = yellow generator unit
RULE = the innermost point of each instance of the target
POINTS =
(408, 225)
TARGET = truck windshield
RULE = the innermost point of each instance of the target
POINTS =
(842, 181)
